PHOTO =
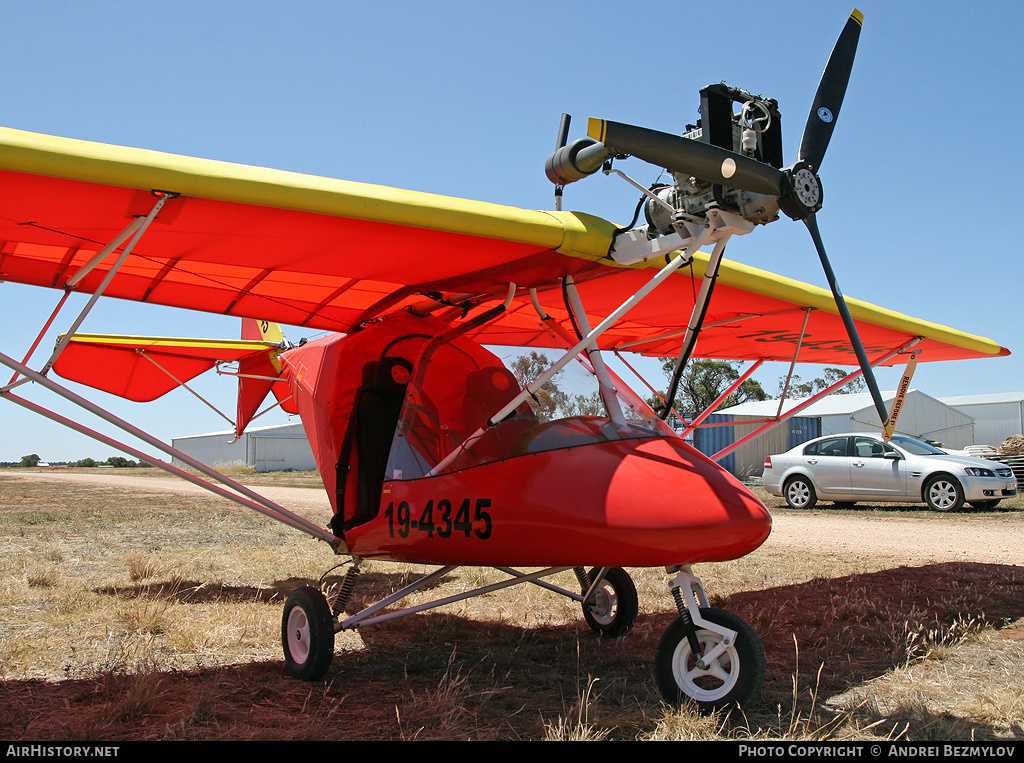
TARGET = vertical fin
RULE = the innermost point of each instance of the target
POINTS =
(253, 391)
(264, 330)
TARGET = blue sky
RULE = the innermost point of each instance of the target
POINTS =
(464, 98)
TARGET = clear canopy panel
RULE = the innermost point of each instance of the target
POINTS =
(458, 386)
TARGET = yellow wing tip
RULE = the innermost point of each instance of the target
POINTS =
(857, 16)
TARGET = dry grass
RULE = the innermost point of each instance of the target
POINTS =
(156, 616)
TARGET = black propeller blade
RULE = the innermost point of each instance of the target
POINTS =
(817, 134)
(851, 327)
(831, 91)
(689, 157)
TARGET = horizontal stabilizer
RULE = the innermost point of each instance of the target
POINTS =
(144, 368)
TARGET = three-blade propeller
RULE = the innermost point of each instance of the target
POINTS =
(797, 187)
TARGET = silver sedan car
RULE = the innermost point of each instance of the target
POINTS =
(862, 467)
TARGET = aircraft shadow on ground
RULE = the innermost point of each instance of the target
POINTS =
(858, 627)
(831, 634)
(370, 588)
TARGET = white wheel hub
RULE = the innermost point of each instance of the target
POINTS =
(602, 605)
(798, 493)
(707, 683)
(298, 635)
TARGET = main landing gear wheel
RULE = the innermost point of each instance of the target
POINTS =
(733, 678)
(307, 634)
(611, 611)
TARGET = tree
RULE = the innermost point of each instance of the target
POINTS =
(830, 376)
(32, 460)
(582, 405)
(704, 380)
(547, 400)
(551, 401)
(120, 462)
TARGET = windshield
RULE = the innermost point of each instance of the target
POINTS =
(915, 446)
(458, 386)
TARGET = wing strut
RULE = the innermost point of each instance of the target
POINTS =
(721, 399)
(824, 393)
(851, 327)
(638, 404)
(792, 365)
(39, 336)
(242, 495)
(681, 259)
(700, 308)
(134, 229)
(607, 388)
(187, 388)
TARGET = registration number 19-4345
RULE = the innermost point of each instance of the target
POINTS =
(441, 518)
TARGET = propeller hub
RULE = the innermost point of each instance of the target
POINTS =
(803, 197)
(807, 188)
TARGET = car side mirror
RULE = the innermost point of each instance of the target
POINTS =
(892, 455)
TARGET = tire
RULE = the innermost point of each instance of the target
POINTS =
(612, 610)
(734, 679)
(943, 493)
(799, 493)
(307, 634)
(985, 505)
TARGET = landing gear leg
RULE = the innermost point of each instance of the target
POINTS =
(708, 655)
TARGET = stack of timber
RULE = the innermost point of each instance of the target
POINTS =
(1014, 462)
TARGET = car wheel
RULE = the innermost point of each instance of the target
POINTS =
(799, 493)
(943, 493)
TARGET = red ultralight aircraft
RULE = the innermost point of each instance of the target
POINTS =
(431, 450)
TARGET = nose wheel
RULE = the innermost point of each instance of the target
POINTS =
(708, 656)
(729, 670)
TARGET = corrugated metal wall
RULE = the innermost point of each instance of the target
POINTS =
(711, 439)
(215, 449)
(922, 416)
(267, 449)
(282, 453)
(994, 422)
(748, 459)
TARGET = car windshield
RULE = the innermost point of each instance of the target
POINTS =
(916, 447)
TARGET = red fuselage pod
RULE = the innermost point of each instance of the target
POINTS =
(628, 503)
